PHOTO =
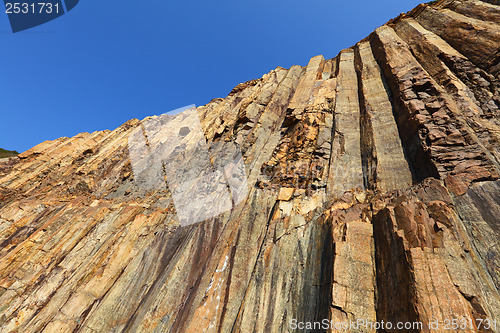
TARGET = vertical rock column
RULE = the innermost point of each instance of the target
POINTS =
(427, 271)
(345, 161)
(353, 289)
(306, 84)
(477, 40)
(391, 168)
(474, 105)
(435, 139)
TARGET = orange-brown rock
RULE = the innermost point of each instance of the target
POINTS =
(373, 194)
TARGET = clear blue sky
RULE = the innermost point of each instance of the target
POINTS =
(109, 61)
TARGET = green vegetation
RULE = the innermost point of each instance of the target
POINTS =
(7, 153)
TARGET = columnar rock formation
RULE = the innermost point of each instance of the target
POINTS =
(373, 194)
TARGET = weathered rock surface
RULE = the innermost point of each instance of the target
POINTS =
(373, 194)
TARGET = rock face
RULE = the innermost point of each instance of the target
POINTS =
(373, 194)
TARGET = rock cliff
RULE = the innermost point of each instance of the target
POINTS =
(373, 194)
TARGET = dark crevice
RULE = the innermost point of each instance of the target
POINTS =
(315, 298)
(411, 132)
(395, 290)
(367, 144)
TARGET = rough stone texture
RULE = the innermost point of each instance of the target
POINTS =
(374, 191)
(383, 157)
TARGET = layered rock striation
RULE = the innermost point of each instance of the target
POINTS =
(373, 194)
